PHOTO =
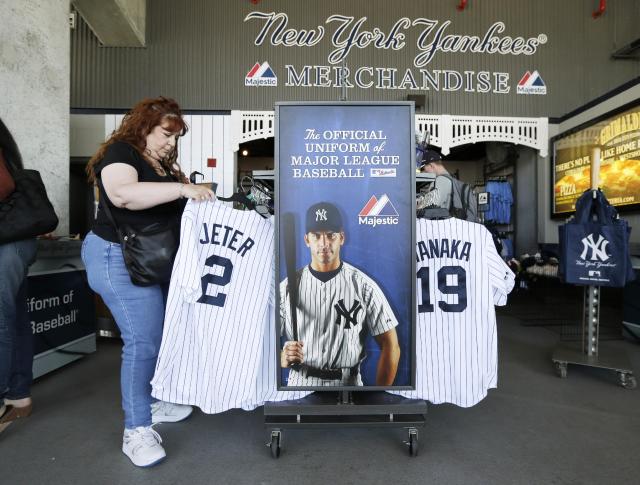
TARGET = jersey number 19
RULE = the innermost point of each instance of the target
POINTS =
(459, 289)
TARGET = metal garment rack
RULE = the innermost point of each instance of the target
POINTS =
(338, 409)
(590, 354)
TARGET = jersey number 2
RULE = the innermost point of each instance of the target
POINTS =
(214, 279)
(459, 289)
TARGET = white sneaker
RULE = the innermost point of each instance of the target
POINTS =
(142, 446)
(166, 412)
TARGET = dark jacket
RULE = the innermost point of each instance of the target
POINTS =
(10, 151)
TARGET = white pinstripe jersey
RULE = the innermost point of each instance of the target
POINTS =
(334, 319)
(217, 310)
(460, 278)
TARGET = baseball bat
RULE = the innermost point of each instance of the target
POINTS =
(289, 226)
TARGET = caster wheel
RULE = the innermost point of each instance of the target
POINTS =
(561, 369)
(627, 381)
(413, 443)
(274, 446)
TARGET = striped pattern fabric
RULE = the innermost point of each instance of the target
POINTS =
(218, 311)
(460, 280)
(334, 318)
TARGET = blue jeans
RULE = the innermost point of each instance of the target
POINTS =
(16, 337)
(139, 314)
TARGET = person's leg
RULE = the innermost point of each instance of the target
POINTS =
(19, 393)
(10, 279)
(139, 313)
(15, 258)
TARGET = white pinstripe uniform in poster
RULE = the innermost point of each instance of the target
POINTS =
(460, 278)
(218, 310)
(334, 319)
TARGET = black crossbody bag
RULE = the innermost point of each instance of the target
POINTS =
(27, 211)
(148, 251)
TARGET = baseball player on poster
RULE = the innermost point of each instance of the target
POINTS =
(337, 307)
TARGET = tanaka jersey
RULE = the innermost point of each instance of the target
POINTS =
(217, 310)
(460, 278)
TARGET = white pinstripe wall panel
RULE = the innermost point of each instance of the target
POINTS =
(184, 148)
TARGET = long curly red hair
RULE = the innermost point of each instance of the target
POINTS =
(137, 124)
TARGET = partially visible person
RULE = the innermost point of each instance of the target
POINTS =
(143, 185)
(447, 193)
(16, 338)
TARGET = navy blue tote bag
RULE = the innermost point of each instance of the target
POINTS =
(594, 245)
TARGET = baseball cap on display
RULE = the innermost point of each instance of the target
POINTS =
(323, 216)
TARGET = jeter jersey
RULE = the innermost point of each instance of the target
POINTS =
(334, 319)
(217, 310)
(460, 278)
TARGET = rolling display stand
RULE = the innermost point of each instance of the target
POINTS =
(590, 354)
(326, 409)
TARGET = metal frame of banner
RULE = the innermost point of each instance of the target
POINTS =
(346, 407)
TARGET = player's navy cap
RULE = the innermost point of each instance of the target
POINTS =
(323, 216)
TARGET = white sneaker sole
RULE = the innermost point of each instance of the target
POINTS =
(169, 419)
(145, 465)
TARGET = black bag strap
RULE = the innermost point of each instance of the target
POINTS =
(102, 194)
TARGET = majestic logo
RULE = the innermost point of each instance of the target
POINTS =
(321, 215)
(350, 316)
(532, 83)
(378, 212)
(383, 172)
(261, 75)
(598, 248)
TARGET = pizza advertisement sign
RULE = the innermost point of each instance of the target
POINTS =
(618, 138)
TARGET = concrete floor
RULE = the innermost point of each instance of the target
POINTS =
(534, 429)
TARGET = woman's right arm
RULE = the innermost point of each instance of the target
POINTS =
(120, 181)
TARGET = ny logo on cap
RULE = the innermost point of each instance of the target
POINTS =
(321, 215)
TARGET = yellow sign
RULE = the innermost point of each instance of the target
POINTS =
(619, 142)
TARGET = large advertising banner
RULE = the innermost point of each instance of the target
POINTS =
(345, 213)
(618, 138)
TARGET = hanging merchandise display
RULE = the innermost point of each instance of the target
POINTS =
(461, 279)
(594, 244)
(501, 201)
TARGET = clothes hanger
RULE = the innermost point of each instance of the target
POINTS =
(241, 198)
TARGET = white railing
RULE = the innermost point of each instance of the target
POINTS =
(251, 125)
(454, 131)
(445, 131)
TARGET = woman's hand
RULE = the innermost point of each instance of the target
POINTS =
(197, 192)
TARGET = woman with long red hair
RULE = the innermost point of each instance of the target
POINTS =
(141, 184)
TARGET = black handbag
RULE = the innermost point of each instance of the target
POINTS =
(148, 251)
(27, 212)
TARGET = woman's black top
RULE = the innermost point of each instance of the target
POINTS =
(170, 213)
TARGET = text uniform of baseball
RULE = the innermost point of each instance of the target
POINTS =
(460, 278)
(338, 307)
(218, 310)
